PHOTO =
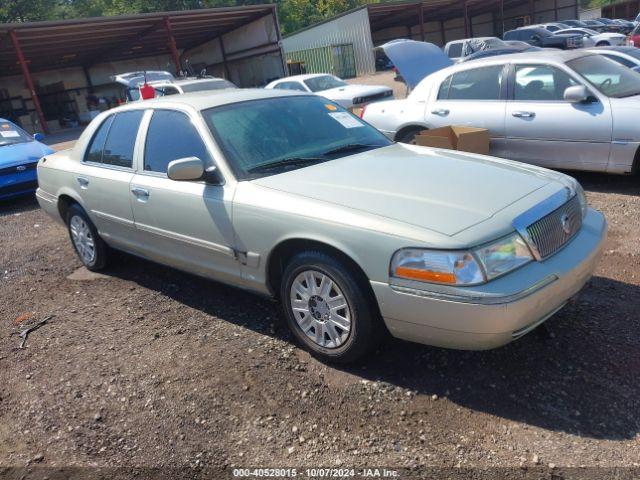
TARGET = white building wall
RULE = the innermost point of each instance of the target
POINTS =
(352, 28)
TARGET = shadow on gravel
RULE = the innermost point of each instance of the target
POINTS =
(603, 183)
(21, 204)
(579, 375)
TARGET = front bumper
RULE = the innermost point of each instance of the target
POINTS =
(502, 310)
(18, 183)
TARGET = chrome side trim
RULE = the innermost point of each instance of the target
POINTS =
(187, 239)
(479, 299)
(542, 209)
(112, 218)
(524, 330)
(45, 196)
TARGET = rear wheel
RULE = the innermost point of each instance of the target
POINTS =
(602, 44)
(327, 308)
(90, 248)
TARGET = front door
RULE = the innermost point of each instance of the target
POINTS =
(544, 129)
(184, 224)
(104, 175)
(473, 98)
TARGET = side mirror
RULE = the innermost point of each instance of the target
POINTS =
(38, 137)
(636, 68)
(577, 94)
(185, 169)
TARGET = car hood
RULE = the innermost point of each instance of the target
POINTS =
(351, 91)
(21, 153)
(415, 60)
(442, 191)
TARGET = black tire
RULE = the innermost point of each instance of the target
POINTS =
(101, 250)
(409, 136)
(602, 44)
(367, 328)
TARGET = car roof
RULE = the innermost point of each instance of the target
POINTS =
(560, 56)
(186, 81)
(209, 99)
(304, 77)
(615, 48)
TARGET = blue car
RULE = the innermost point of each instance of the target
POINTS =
(19, 155)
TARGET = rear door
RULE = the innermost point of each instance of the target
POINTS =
(105, 173)
(544, 129)
(184, 224)
(474, 97)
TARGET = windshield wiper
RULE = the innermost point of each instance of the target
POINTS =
(351, 147)
(285, 162)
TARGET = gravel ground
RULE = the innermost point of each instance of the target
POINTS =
(147, 366)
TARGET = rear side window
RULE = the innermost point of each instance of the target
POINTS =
(94, 152)
(121, 140)
(290, 86)
(455, 50)
(476, 84)
(443, 91)
(171, 136)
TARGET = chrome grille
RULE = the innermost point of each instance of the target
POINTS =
(554, 230)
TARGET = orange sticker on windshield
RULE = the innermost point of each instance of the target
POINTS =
(330, 107)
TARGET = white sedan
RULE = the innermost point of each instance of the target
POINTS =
(346, 94)
(591, 38)
(558, 109)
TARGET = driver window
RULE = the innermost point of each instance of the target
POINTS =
(541, 83)
(172, 136)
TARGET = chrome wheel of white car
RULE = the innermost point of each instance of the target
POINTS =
(320, 309)
(330, 307)
(85, 238)
(82, 239)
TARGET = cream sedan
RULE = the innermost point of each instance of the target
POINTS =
(291, 196)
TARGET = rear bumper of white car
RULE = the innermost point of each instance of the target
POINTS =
(494, 320)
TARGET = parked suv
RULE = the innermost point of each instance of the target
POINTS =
(541, 37)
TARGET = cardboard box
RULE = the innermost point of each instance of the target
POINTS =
(465, 139)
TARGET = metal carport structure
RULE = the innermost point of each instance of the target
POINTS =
(214, 37)
(435, 21)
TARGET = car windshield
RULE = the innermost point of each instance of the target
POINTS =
(541, 32)
(206, 85)
(609, 77)
(11, 134)
(325, 82)
(303, 130)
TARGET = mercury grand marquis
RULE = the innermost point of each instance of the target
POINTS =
(289, 195)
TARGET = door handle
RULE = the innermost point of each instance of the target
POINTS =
(524, 114)
(441, 111)
(84, 182)
(140, 192)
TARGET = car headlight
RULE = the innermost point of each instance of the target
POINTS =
(434, 266)
(504, 255)
(461, 267)
(584, 206)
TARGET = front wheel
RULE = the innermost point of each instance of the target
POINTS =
(90, 248)
(328, 309)
(602, 44)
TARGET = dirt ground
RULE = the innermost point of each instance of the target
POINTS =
(145, 366)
